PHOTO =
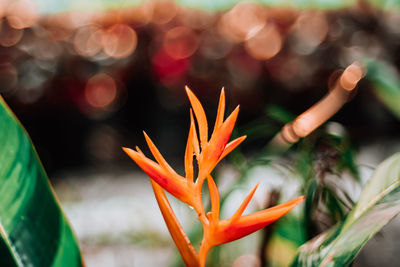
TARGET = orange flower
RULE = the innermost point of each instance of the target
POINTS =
(208, 153)
(218, 232)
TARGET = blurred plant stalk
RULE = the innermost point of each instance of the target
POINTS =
(320, 112)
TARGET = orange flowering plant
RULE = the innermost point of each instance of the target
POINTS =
(208, 152)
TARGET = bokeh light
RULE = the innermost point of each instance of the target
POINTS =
(9, 36)
(243, 21)
(21, 14)
(100, 90)
(87, 40)
(309, 31)
(264, 44)
(180, 42)
(119, 41)
(163, 11)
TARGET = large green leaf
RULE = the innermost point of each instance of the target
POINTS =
(34, 231)
(378, 204)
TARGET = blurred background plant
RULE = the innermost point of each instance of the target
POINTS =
(85, 77)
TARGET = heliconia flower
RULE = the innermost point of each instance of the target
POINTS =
(218, 232)
(208, 152)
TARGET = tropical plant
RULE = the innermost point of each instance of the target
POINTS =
(33, 228)
(208, 153)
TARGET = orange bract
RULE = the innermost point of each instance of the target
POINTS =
(208, 153)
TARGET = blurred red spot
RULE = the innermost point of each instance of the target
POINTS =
(119, 41)
(100, 90)
(180, 42)
(167, 67)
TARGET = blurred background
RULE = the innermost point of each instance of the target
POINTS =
(86, 77)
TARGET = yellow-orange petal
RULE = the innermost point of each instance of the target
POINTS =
(244, 204)
(221, 110)
(229, 231)
(182, 242)
(217, 143)
(200, 116)
(214, 196)
(157, 155)
(231, 146)
(175, 185)
(189, 155)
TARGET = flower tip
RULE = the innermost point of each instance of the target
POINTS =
(188, 89)
(129, 151)
(126, 149)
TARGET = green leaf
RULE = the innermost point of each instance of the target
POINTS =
(34, 231)
(386, 84)
(378, 204)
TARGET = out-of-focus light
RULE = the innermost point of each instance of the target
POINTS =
(214, 46)
(143, 13)
(3, 8)
(58, 27)
(197, 19)
(350, 77)
(167, 68)
(100, 90)
(119, 41)
(9, 36)
(21, 14)
(77, 19)
(87, 41)
(248, 260)
(242, 22)
(309, 32)
(180, 42)
(265, 44)
(164, 11)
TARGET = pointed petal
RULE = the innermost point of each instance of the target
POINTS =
(139, 151)
(175, 185)
(217, 143)
(231, 146)
(181, 240)
(243, 206)
(214, 195)
(189, 156)
(157, 155)
(200, 116)
(221, 110)
(195, 140)
(248, 224)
